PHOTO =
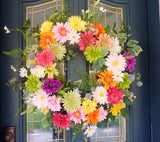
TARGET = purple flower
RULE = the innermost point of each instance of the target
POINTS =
(131, 77)
(139, 83)
(50, 85)
(31, 56)
(88, 96)
(131, 62)
(32, 66)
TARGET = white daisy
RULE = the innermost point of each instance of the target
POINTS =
(118, 76)
(74, 37)
(100, 95)
(115, 48)
(102, 9)
(90, 130)
(40, 99)
(38, 71)
(115, 63)
(7, 30)
(23, 72)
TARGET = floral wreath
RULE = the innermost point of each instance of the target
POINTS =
(93, 98)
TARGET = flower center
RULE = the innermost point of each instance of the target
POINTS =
(47, 40)
(55, 50)
(73, 36)
(114, 96)
(115, 63)
(108, 79)
(89, 129)
(101, 94)
(118, 75)
(86, 41)
(63, 32)
(72, 101)
(42, 97)
(24, 72)
(77, 114)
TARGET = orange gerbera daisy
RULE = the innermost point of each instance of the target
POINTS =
(93, 117)
(100, 29)
(106, 78)
(46, 38)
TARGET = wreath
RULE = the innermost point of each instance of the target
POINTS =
(97, 96)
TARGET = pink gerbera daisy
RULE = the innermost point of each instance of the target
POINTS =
(105, 38)
(45, 58)
(77, 116)
(54, 103)
(61, 32)
(114, 95)
(102, 114)
(87, 39)
(61, 120)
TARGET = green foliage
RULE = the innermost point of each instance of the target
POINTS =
(104, 49)
(125, 113)
(47, 120)
(20, 108)
(26, 25)
(127, 101)
(98, 63)
(15, 53)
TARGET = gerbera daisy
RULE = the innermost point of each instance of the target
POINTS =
(118, 76)
(131, 62)
(77, 116)
(71, 101)
(60, 120)
(51, 70)
(106, 78)
(74, 37)
(51, 86)
(87, 39)
(89, 106)
(102, 114)
(54, 104)
(92, 53)
(46, 38)
(90, 130)
(23, 72)
(100, 29)
(38, 71)
(126, 82)
(117, 108)
(32, 83)
(105, 38)
(40, 99)
(115, 47)
(45, 58)
(92, 117)
(76, 23)
(61, 32)
(46, 26)
(100, 95)
(115, 63)
(59, 50)
(114, 95)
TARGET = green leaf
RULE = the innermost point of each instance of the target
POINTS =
(131, 50)
(6, 53)
(98, 63)
(21, 107)
(101, 61)
(127, 101)
(122, 40)
(125, 113)
(138, 76)
(104, 49)
(45, 122)
(137, 48)
(132, 43)
(107, 28)
(26, 25)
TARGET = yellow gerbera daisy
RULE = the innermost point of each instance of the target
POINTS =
(76, 23)
(51, 70)
(89, 106)
(117, 108)
(46, 26)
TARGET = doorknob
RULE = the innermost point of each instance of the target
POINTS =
(9, 134)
